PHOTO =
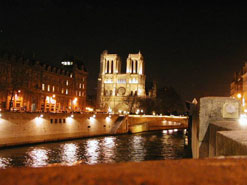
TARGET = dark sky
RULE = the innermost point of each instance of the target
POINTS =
(196, 48)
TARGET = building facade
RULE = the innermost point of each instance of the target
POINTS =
(116, 90)
(32, 86)
(239, 87)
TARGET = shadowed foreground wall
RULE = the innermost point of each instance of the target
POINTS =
(172, 172)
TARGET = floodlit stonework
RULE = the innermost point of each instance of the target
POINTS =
(116, 90)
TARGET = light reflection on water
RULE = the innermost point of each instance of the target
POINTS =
(138, 150)
(37, 157)
(4, 162)
(110, 149)
(69, 154)
(92, 151)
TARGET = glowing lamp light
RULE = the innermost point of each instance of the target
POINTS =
(91, 119)
(69, 120)
(38, 121)
(153, 113)
(72, 116)
(239, 95)
(164, 131)
(170, 131)
(53, 96)
(109, 110)
(108, 119)
(94, 116)
(41, 116)
(74, 101)
(243, 120)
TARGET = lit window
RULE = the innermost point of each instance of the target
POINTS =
(80, 85)
(62, 91)
(71, 75)
(43, 87)
(53, 88)
(67, 82)
(79, 93)
(83, 86)
(67, 91)
(48, 88)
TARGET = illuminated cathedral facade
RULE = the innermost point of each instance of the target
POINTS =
(116, 90)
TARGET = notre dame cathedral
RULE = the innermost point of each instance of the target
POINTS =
(114, 87)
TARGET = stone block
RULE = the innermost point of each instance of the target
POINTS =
(229, 143)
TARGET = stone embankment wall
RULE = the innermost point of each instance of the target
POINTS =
(24, 128)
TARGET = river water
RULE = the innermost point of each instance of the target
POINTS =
(145, 146)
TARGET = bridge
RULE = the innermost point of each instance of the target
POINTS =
(142, 123)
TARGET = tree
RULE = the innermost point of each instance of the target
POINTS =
(131, 101)
(170, 101)
(17, 78)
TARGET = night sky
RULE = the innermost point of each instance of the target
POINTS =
(196, 48)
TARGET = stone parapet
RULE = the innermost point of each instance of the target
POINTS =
(172, 172)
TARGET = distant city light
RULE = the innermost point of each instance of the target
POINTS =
(67, 63)
(89, 109)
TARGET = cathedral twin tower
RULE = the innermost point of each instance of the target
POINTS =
(114, 87)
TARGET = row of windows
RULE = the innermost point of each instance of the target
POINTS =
(109, 93)
(66, 91)
(67, 82)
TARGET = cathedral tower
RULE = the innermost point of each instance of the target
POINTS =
(115, 89)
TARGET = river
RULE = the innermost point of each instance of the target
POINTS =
(158, 145)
